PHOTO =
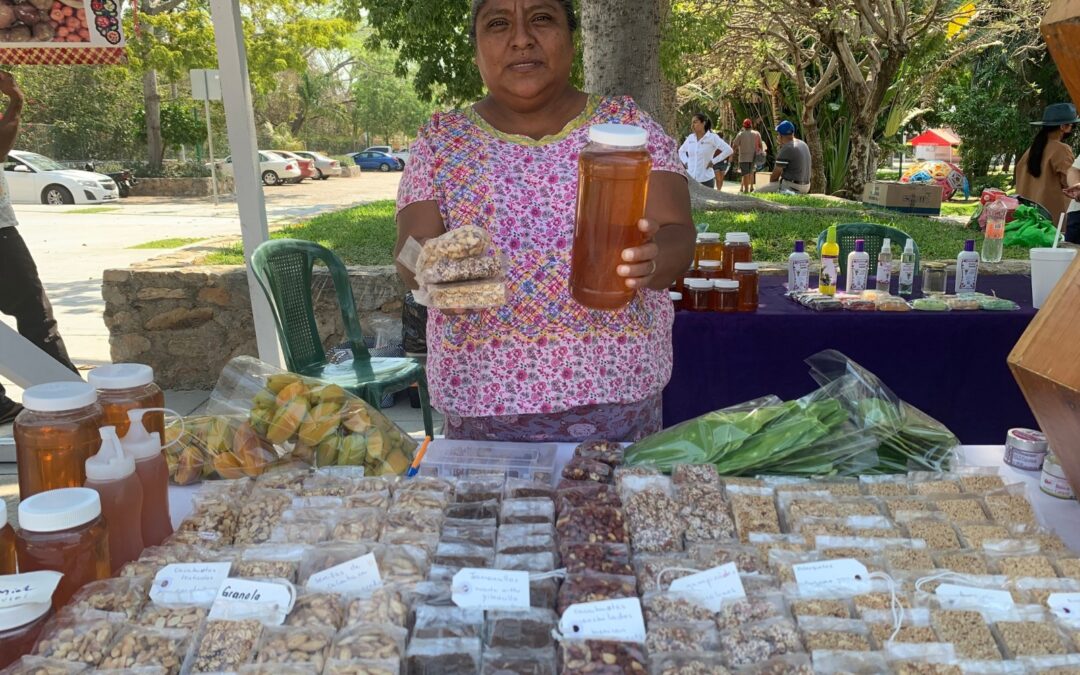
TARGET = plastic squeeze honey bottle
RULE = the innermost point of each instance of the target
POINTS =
(613, 184)
(111, 474)
(153, 473)
(55, 434)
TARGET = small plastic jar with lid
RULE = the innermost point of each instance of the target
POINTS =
(746, 273)
(7, 544)
(708, 247)
(55, 434)
(697, 295)
(1025, 449)
(725, 295)
(709, 269)
(20, 627)
(63, 531)
(127, 386)
(737, 249)
(676, 299)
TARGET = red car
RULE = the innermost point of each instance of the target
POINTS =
(307, 166)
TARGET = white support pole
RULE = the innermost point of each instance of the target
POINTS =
(240, 120)
(210, 136)
(24, 364)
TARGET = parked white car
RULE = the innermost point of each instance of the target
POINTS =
(324, 166)
(274, 168)
(37, 179)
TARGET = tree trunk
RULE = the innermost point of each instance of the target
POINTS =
(622, 50)
(812, 135)
(155, 144)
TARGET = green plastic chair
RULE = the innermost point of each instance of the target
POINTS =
(873, 235)
(283, 269)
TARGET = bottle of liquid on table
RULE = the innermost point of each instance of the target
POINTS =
(126, 386)
(830, 264)
(993, 244)
(111, 474)
(798, 279)
(884, 267)
(54, 435)
(613, 181)
(7, 545)
(153, 473)
(907, 270)
(858, 267)
(967, 268)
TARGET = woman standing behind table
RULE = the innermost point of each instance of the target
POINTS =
(1042, 172)
(704, 152)
(542, 367)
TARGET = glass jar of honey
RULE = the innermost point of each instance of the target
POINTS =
(20, 627)
(63, 531)
(737, 249)
(126, 386)
(709, 269)
(7, 544)
(697, 295)
(725, 295)
(708, 248)
(613, 180)
(55, 434)
(746, 273)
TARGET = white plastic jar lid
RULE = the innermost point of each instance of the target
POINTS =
(121, 376)
(737, 238)
(726, 284)
(709, 263)
(675, 296)
(618, 135)
(1028, 440)
(58, 510)
(21, 615)
(746, 267)
(59, 396)
(709, 237)
(699, 284)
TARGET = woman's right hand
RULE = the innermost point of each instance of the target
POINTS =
(1073, 192)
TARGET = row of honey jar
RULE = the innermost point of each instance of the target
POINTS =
(740, 294)
(714, 259)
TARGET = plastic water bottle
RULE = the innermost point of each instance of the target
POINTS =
(993, 244)
(799, 269)
(884, 266)
(907, 270)
(967, 268)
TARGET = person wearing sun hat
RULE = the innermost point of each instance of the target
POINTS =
(1042, 173)
(792, 171)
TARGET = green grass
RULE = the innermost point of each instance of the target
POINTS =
(965, 208)
(175, 242)
(95, 209)
(362, 235)
(808, 201)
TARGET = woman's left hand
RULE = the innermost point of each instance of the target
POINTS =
(639, 262)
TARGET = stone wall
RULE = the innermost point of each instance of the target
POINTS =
(181, 187)
(187, 323)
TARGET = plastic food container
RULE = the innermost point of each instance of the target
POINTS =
(697, 295)
(55, 434)
(126, 386)
(737, 249)
(746, 273)
(1053, 481)
(725, 295)
(20, 627)
(1026, 449)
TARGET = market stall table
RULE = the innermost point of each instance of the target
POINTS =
(951, 366)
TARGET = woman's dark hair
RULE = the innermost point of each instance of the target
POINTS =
(704, 119)
(1038, 150)
(567, 5)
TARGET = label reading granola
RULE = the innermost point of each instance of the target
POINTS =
(490, 589)
(29, 588)
(712, 586)
(1064, 605)
(830, 573)
(355, 576)
(618, 620)
(189, 583)
(267, 601)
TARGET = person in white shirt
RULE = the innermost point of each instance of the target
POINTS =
(704, 153)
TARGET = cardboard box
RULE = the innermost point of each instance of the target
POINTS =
(918, 199)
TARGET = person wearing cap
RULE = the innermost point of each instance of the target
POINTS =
(792, 171)
(748, 144)
(704, 152)
(1042, 173)
(542, 367)
(21, 293)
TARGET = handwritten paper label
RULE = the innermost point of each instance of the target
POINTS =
(29, 588)
(268, 601)
(189, 583)
(830, 573)
(618, 620)
(712, 586)
(490, 589)
(972, 595)
(355, 576)
(1065, 605)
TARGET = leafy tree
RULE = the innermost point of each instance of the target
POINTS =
(181, 124)
(383, 103)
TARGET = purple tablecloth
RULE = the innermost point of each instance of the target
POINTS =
(951, 365)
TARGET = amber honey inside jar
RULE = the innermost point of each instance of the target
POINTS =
(63, 531)
(55, 434)
(737, 249)
(128, 386)
(7, 544)
(696, 298)
(747, 276)
(20, 627)
(725, 295)
(709, 269)
(709, 247)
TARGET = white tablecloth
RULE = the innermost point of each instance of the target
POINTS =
(1061, 516)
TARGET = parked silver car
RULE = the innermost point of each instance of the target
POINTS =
(324, 166)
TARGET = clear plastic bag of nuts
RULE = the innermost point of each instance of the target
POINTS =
(447, 656)
(270, 561)
(530, 629)
(602, 558)
(509, 660)
(592, 524)
(292, 644)
(225, 645)
(77, 636)
(608, 452)
(136, 646)
(181, 617)
(37, 665)
(534, 510)
(369, 641)
(602, 657)
(318, 610)
(673, 607)
(687, 663)
(121, 595)
(592, 587)
(695, 636)
(385, 604)
(757, 642)
(363, 667)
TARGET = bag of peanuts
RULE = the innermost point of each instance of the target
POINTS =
(461, 269)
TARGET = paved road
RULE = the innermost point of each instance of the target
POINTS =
(72, 247)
